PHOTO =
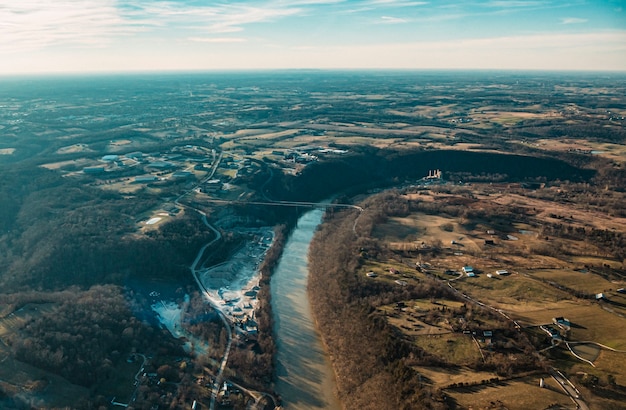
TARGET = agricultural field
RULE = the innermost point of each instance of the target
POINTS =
(517, 394)
(517, 270)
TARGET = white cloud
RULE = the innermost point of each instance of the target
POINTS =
(393, 20)
(35, 24)
(573, 20)
(32, 24)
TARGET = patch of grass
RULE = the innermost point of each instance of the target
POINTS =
(584, 282)
(511, 289)
(443, 377)
(520, 394)
(454, 348)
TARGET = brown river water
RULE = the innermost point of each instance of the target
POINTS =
(305, 379)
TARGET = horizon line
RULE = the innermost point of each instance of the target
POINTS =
(312, 69)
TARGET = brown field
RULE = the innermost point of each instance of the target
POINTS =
(444, 377)
(270, 135)
(589, 321)
(581, 217)
(582, 281)
(458, 349)
(510, 290)
(73, 149)
(606, 150)
(522, 394)
(120, 142)
(611, 363)
(408, 318)
(82, 162)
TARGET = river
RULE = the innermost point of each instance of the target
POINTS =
(305, 379)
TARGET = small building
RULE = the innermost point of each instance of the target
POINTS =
(134, 155)
(489, 242)
(600, 296)
(467, 270)
(501, 272)
(491, 232)
(110, 158)
(145, 179)
(94, 170)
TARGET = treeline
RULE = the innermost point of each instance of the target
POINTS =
(611, 242)
(86, 335)
(368, 167)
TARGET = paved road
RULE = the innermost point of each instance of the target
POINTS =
(569, 389)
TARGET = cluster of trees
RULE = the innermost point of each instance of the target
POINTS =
(254, 362)
(201, 320)
(609, 241)
(367, 167)
(86, 335)
(372, 364)
(55, 232)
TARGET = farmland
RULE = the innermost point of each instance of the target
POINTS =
(116, 180)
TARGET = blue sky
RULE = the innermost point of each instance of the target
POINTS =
(144, 35)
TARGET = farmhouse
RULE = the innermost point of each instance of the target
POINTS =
(469, 271)
(501, 272)
(561, 322)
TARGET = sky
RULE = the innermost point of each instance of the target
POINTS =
(57, 36)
